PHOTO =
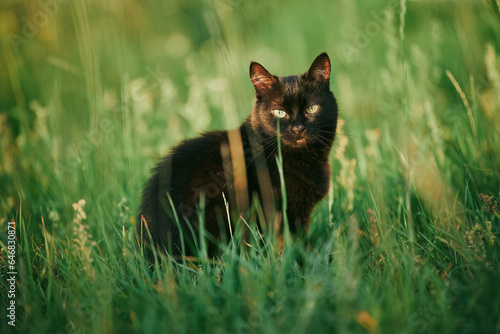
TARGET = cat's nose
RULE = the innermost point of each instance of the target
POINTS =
(298, 129)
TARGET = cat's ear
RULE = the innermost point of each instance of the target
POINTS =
(320, 68)
(262, 80)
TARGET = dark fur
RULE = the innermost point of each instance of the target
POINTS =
(204, 167)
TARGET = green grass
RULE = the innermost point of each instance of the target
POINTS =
(405, 242)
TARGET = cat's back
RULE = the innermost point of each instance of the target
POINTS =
(200, 153)
(207, 143)
(182, 175)
(189, 165)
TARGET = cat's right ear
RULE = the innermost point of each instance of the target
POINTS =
(320, 68)
(262, 80)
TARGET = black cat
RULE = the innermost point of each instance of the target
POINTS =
(225, 171)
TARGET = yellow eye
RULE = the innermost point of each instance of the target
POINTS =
(312, 109)
(278, 113)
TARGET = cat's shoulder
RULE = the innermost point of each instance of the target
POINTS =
(203, 144)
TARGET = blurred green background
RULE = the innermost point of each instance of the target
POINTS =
(157, 72)
(94, 93)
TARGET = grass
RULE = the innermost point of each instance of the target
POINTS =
(406, 241)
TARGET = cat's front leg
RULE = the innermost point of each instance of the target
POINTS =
(298, 221)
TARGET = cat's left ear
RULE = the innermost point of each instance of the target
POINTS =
(262, 80)
(320, 68)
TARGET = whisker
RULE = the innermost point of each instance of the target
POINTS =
(263, 149)
(343, 133)
(349, 151)
(323, 140)
(344, 159)
(326, 140)
(267, 158)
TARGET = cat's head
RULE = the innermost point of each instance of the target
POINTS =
(303, 104)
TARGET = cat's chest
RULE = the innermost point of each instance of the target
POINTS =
(303, 171)
(306, 178)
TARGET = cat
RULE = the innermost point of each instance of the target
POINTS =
(226, 171)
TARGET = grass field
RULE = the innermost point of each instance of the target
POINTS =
(94, 93)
